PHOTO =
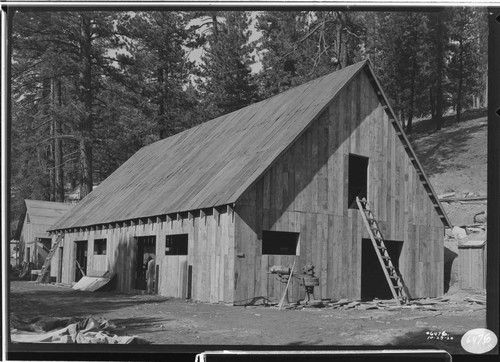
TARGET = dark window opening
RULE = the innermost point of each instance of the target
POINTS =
(358, 179)
(46, 244)
(100, 246)
(279, 243)
(176, 244)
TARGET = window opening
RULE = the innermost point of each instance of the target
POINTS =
(279, 243)
(176, 244)
(100, 246)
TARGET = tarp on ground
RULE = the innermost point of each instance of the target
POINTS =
(93, 281)
(88, 330)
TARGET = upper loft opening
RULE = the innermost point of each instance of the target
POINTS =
(358, 179)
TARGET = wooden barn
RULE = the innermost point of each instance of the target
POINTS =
(32, 230)
(270, 184)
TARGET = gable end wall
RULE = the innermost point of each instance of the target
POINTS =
(305, 191)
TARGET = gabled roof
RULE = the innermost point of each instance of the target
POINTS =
(212, 164)
(42, 215)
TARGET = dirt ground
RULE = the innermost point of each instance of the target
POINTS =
(161, 320)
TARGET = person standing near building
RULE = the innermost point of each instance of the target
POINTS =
(150, 275)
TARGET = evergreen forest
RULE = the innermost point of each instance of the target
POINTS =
(90, 88)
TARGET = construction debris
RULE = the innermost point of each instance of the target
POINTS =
(478, 300)
(458, 232)
(444, 196)
(48, 330)
(427, 304)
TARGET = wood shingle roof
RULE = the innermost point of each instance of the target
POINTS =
(211, 164)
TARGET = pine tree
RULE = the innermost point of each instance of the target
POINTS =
(225, 80)
(298, 46)
(464, 65)
(60, 63)
(157, 68)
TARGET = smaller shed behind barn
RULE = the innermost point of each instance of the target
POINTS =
(472, 264)
(34, 240)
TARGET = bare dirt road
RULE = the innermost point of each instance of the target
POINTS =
(168, 321)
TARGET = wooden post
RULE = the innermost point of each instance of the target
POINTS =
(157, 278)
(287, 284)
(217, 216)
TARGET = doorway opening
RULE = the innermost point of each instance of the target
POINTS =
(358, 179)
(60, 265)
(373, 281)
(43, 249)
(81, 259)
(146, 249)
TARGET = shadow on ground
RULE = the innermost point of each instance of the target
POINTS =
(74, 303)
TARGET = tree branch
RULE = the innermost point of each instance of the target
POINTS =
(62, 163)
(69, 137)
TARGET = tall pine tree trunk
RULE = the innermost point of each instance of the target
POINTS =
(162, 111)
(340, 41)
(411, 106)
(439, 71)
(432, 106)
(460, 80)
(86, 122)
(58, 150)
(46, 112)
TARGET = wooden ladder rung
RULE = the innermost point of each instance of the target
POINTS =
(393, 279)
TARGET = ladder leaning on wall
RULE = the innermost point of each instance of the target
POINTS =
(396, 285)
(46, 264)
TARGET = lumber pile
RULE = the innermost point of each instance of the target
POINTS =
(417, 304)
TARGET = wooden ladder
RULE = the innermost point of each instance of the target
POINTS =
(46, 264)
(394, 280)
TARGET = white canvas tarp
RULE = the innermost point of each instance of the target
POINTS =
(88, 330)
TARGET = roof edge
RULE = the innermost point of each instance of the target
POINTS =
(409, 149)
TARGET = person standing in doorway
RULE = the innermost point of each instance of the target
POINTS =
(150, 275)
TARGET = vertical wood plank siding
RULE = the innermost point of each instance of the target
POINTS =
(306, 189)
(210, 254)
(472, 267)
